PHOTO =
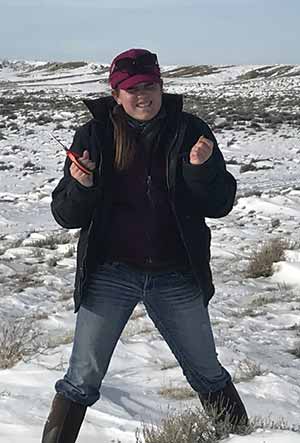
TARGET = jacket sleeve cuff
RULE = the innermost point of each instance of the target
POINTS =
(205, 172)
(76, 190)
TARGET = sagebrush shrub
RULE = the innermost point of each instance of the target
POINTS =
(18, 340)
(261, 263)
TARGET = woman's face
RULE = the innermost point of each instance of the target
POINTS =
(141, 102)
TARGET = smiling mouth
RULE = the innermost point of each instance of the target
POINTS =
(144, 105)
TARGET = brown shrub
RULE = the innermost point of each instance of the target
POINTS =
(261, 263)
(18, 341)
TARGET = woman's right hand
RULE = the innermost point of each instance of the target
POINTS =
(83, 178)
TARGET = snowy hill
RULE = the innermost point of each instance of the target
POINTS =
(255, 114)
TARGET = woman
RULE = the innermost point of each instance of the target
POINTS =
(153, 174)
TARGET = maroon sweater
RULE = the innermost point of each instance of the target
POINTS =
(143, 230)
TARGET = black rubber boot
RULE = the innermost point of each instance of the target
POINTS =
(226, 406)
(64, 421)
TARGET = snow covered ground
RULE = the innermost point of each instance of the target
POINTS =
(255, 114)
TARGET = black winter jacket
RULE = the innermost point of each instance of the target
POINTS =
(195, 191)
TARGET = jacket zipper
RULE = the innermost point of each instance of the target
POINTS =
(179, 135)
(149, 196)
(148, 192)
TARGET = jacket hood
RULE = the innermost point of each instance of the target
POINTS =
(101, 107)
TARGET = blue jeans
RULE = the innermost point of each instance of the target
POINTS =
(173, 301)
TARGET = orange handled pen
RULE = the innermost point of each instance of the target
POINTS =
(73, 156)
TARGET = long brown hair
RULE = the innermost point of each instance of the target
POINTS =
(124, 139)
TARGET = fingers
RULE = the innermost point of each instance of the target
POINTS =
(203, 145)
(85, 155)
(202, 140)
(79, 175)
(201, 151)
(85, 161)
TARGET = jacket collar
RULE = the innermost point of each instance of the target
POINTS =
(101, 107)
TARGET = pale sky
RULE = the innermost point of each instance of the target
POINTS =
(180, 32)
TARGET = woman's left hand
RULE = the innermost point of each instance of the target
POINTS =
(201, 151)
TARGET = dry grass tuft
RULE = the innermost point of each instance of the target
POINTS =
(177, 392)
(261, 262)
(18, 341)
(189, 426)
(195, 426)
